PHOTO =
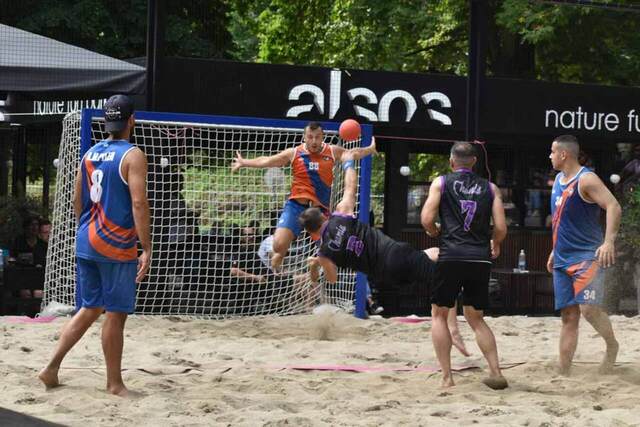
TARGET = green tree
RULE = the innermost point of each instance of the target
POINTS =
(525, 39)
(194, 28)
(412, 35)
(576, 44)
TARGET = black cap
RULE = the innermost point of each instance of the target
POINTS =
(117, 111)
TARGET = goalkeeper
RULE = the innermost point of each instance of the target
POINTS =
(312, 168)
(348, 243)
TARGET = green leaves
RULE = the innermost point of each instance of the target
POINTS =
(368, 34)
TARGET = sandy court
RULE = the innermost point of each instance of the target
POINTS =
(211, 372)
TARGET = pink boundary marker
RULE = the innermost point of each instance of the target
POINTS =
(411, 319)
(416, 319)
(364, 368)
(26, 319)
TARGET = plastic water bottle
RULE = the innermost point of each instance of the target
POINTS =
(522, 261)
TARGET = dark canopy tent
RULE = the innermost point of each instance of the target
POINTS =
(40, 80)
(43, 68)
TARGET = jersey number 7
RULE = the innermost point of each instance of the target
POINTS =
(468, 207)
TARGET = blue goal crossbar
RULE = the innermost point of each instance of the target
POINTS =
(362, 286)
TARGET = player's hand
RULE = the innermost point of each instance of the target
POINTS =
(437, 232)
(373, 148)
(495, 250)
(314, 269)
(144, 260)
(238, 162)
(606, 254)
(550, 263)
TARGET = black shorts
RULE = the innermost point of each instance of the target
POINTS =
(472, 277)
(402, 264)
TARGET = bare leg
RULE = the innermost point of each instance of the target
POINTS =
(441, 338)
(70, 335)
(282, 239)
(456, 338)
(112, 343)
(601, 323)
(568, 337)
(487, 343)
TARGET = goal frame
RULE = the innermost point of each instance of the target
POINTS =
(364, 187)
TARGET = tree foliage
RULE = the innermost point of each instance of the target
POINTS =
(526, 39)
(412, 35)
(577, 44)
(194, 28)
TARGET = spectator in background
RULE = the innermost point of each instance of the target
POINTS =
(45, 230)
(28, 248)
(630, 175)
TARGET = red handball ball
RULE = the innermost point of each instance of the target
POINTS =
(349, 130)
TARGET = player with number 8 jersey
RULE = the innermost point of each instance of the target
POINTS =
(106, 231)
(111, 207)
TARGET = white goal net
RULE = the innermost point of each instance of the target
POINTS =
(210, 227)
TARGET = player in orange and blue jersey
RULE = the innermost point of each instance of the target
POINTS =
(112, 210)
(312, 165)
(580, 253)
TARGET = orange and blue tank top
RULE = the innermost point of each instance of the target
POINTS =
(312, 175)
(106, 230)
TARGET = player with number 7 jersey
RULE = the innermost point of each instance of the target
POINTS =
(466, 204)
(465, 213)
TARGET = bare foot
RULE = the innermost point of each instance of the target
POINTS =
(609, 358)
(458, 342)
(447, 382)
(49, 377)
(496, 383)
(564, 370)
(118, 390)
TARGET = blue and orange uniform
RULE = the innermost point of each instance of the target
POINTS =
(577, 234)
(106, 240)
(310, 186)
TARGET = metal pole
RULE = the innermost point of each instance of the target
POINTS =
(46, 176)
(477, 66)
(151, 51)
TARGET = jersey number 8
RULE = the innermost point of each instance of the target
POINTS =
(96, 189)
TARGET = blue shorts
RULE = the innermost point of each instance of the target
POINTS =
(289, 217)
(111, 285)
(581, 283)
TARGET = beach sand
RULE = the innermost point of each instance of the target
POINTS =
(232, 372)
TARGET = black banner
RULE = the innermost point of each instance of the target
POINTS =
(521, 107)
(402, 104)
(426, 102)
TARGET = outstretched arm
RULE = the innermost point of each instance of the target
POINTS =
(329, 268)
(355, 153)
(348, 203)
(277, 160)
